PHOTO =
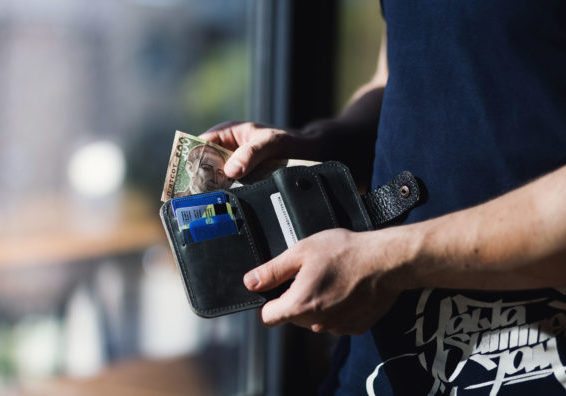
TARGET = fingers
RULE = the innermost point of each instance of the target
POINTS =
(278, 311)
(251, 143)
(269, 275)
(246, 158)
(288, 309)
(211, 136)
(273, 273)
(225, 134)
(221, 133)
(251, 153)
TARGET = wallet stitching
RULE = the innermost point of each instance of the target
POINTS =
(255, 255)
(376, 198)
(254, 186)
(229, 308)
(357, 198)
(352, 188)
(247, 231)
(333, 164)
(309, 170)
(182, 265)
(181, 261)
(325, 197)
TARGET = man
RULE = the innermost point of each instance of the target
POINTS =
(205, 165)
(466, 297)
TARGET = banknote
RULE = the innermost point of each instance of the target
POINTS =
(195, 166)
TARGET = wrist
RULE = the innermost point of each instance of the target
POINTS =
(440, 255)
(400, 253)
(423, 262)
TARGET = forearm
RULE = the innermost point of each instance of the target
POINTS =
(517, 241)
(350, 137)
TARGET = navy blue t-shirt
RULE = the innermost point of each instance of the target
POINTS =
(475, 106)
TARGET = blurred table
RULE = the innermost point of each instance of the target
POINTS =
(57, 229)
(50, 242)
(180, 376)
(60, 246)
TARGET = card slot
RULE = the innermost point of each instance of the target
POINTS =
(305, 200)
(244, 226)
(213, 271)
(193, 215)
(344, 197)
(258, 211)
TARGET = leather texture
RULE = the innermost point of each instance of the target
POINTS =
(303, 193)
(317, 198)
(390, 202)
(212, 270)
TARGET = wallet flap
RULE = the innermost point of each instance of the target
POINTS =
(305, 200)
(392, 201)
(343, 195)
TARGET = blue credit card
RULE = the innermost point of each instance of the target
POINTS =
(186, 215)
(216, 197)
(212, 227)
(195, 205)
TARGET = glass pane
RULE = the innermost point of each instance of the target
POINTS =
(91, 93)
(360, 26)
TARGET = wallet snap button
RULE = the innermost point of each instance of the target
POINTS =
(303, 184)
(404, 191)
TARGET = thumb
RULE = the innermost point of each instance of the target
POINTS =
(273, 273)
(224, 134)
(249, 155)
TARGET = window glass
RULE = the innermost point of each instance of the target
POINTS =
(360, 26)
(91, 93)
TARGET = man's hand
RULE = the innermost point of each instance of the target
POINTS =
(346, 281)
(341, 285)
(253, 143)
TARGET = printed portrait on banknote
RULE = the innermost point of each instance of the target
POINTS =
(205, 165)
(195, 166)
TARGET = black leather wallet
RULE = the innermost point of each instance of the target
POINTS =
(312, 199)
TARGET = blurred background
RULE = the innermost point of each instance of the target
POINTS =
(91, 93)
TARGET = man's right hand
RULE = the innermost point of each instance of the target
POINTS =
(253, 143)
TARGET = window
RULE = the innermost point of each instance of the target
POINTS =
(360, 27)
(91, 94)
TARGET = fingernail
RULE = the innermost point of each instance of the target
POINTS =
(233, 168)
(251, 280)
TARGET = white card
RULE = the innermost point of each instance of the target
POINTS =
(284, 219)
